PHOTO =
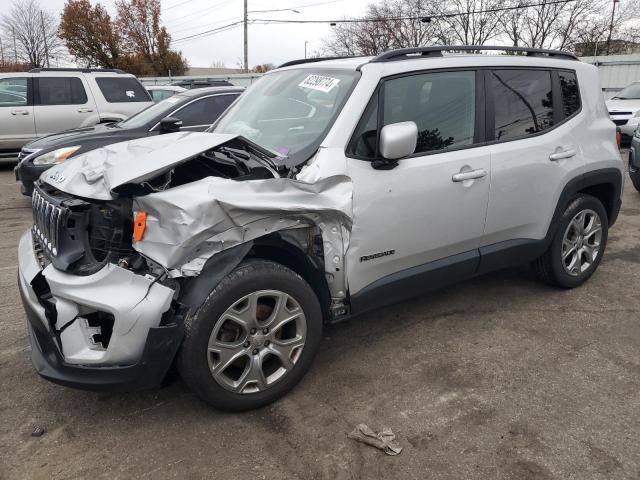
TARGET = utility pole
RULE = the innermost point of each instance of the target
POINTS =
(246, 45)
(1, 53)
(305, 49)
(44, 39)
(613, 13)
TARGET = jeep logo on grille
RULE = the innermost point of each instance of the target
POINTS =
(56, 177)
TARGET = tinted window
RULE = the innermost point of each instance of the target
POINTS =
(122, 89)
(441, 104)
(60, 91)
(570, 93)
(523, 102)
(204, 111)
(159, 95)
(13, 92)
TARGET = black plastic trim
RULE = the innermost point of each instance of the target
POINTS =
(414, 281)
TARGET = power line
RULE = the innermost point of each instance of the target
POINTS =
(294, 7)
(208, 24)
(265, 21)
(210, 32)
(209, 9)
(413, 17)
(177, 5)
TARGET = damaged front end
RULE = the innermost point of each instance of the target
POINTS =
(105, 296)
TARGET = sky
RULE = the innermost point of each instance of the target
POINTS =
(267, 43)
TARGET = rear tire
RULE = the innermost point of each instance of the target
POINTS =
(577, 246)
(253, 338)
(635, 179)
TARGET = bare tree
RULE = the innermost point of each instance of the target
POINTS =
(30, 33)
(471, 22)
(386, 28)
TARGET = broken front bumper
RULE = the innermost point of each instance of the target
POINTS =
(133, 347)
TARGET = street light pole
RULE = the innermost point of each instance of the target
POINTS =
(246, 45)
(613, 13)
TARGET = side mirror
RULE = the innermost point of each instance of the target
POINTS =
(398, 140)
(170, 125)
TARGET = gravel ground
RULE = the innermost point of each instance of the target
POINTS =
(500, 377)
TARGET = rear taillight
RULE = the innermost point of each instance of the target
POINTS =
(618, 137)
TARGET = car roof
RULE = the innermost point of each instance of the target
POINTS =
(201, 92)
(173, 88)
(432, 55)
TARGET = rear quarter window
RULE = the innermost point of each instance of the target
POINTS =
(122, 90)
(570, 93)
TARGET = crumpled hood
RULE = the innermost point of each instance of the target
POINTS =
(96, 173)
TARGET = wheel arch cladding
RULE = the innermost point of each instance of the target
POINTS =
(293, 256)
(604, 184)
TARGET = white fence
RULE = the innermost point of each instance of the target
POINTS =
(616, 71)
(238, 79)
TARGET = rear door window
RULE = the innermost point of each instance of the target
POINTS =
(205, 111)
(59, 91)
(122, 90)
(523, 102)
(14, 92)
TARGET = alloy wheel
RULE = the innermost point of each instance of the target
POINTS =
(581, 242)
(256, 341)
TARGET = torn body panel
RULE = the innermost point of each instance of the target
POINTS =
(189, 224)
(103, 318)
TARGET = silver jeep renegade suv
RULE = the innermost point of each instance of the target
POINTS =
(330, 188)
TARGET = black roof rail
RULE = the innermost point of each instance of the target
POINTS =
(312, 60)
(83, 70)
(436, 51)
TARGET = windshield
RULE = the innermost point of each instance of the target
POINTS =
(149, 114)
(289, 112)
(630, 92)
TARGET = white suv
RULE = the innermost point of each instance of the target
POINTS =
(329, 189)
(49, 100)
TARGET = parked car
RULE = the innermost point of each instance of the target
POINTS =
(192, 111)
(201, 83)
(624, 110)
(162, 92)
(327, 190)
(634, 160)
(49, 100)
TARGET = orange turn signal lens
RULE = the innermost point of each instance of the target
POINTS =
(139, 224)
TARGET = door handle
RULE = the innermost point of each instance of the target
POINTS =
(85, 110)
(19, 112)
(470, 175)
(562, 154)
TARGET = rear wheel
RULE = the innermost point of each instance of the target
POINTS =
(578, 245)
(253, 338)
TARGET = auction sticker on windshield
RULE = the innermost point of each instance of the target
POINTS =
(319, 82)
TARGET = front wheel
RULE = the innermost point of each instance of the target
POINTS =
(578, 245)
(253, 338)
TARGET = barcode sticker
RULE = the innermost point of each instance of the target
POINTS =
(319, 82)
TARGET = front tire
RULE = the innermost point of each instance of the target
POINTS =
(577, 246)
(253, 338)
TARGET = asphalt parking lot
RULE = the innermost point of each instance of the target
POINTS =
(500, 377)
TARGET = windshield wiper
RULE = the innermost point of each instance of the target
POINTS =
(247, 152)
(240, 158)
